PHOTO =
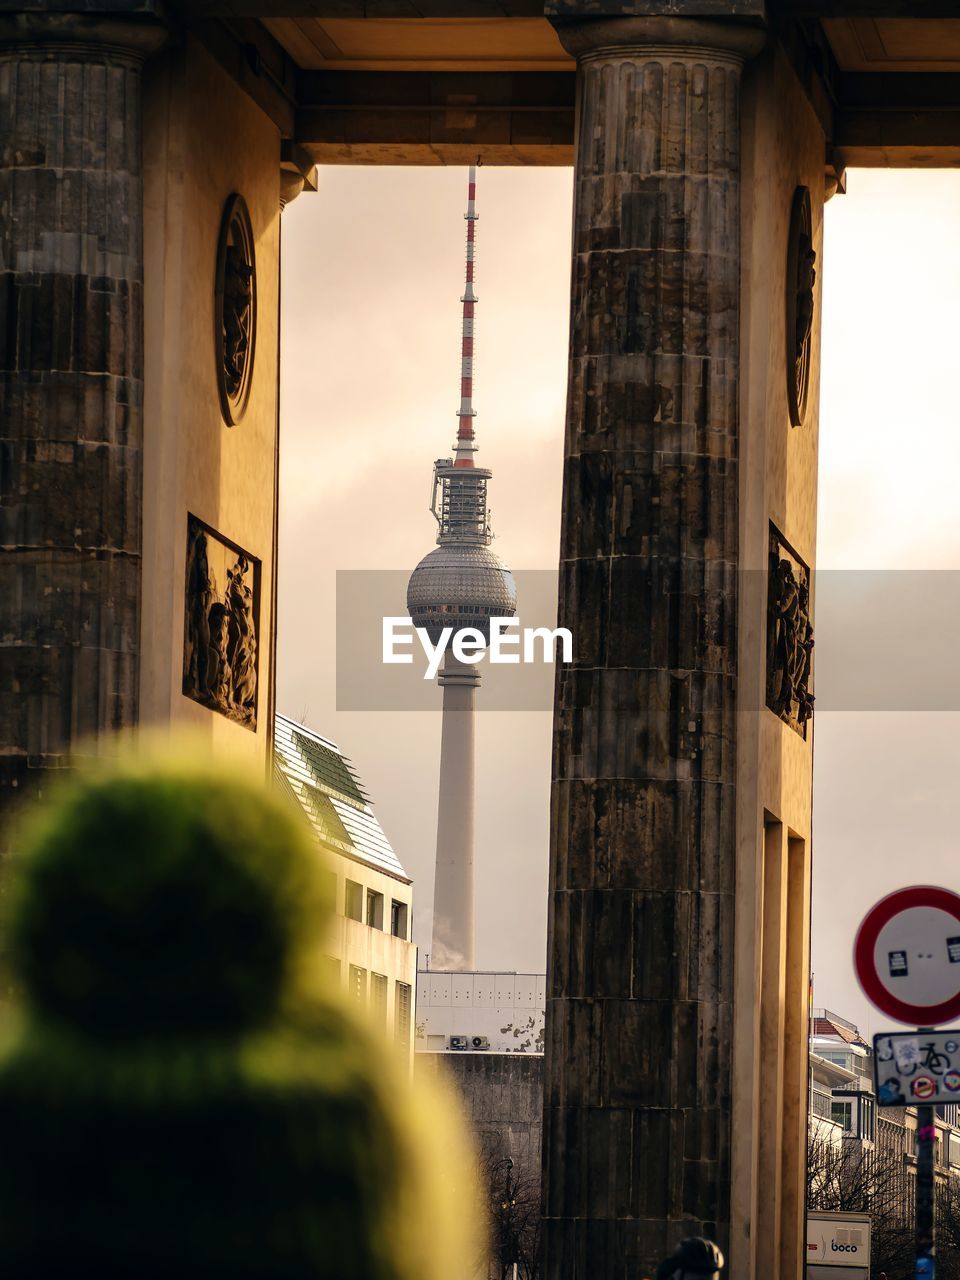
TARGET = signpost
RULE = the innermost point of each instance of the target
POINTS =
(907, 959)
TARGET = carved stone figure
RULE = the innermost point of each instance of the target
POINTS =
(237, 318)
(806, 280)
(199, 596)
(789, 637)
(216, 687)
(242, 637)
(220, 627)
(800, 284)
(236, 309)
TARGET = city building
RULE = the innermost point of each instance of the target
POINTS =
(843, 1108)
(475, 1012)
(862, 1160)
(842, 1099)
(370, 952)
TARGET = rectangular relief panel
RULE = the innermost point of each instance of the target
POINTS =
(789, 636)
(221, 624)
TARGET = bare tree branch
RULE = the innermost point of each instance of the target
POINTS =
(513, 1197)
(849, 1177)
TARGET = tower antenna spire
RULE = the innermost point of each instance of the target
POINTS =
(466, 444)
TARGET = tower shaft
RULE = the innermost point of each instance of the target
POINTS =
(453, 889)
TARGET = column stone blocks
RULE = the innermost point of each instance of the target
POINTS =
(640, 952)
(71, 385)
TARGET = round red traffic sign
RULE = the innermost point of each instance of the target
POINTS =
(907, 955)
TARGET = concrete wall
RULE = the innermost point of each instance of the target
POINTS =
(203, 140)
(502, 1094)
(783, 147)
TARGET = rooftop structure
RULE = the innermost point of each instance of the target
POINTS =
(369, 951)
(480, 1012)
(325, 783)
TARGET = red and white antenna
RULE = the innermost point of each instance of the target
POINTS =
(466, 445)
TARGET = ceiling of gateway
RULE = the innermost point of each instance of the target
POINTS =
(531, 44)
(895, 44)
(435, 44)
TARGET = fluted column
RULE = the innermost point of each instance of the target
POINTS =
(640, 951)
(71, 383)
(454, 923)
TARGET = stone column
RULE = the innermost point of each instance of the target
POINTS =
(640, 951)
(71, 383)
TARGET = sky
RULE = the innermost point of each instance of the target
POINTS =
(370, 385)
(373, 271)
(886, 795)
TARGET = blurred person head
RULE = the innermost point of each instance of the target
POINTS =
(693, 1256)
(180, 1094)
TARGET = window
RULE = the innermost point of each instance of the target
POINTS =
(378, 998)
(358, 984)
(822, 1102)
(353, 904)
(331, 971)
(840, 1114)
(398, 919)
(839, 1056)
(866, 1117)
(403, 1015)
(374, 909)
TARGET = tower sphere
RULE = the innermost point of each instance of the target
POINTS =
(460, 585)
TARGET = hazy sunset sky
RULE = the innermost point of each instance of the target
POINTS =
(373, 269)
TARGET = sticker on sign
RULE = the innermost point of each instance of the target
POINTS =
(907, 955)
(911, 1067)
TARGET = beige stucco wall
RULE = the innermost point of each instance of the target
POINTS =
(783, 147)
(203, 140)
(353, 942)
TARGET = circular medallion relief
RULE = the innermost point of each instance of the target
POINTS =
(235, 311)
(801, 278)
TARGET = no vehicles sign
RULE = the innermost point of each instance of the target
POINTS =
(907, 955)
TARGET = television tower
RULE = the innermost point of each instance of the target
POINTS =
(461, 583)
